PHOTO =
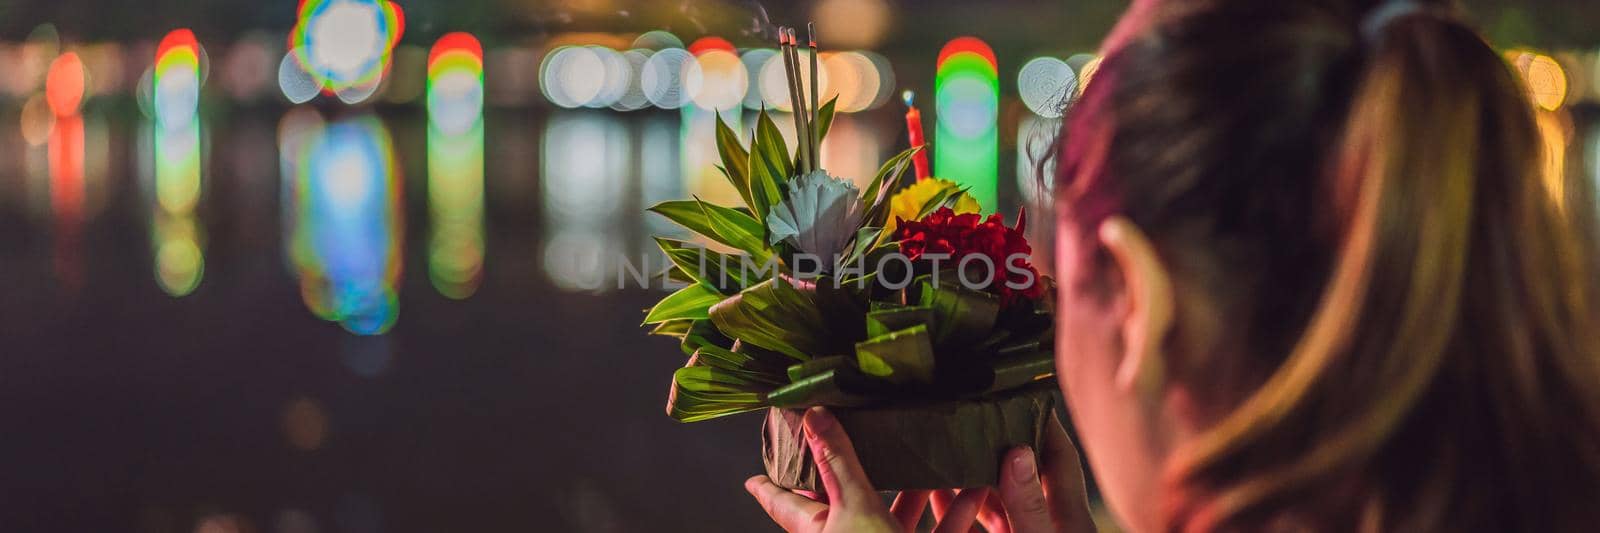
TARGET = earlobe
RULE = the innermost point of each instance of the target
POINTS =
(1148, 308)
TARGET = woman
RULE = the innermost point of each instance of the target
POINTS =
(1310, 279)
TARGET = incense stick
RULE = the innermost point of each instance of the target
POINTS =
(797, 102)
(816, 87)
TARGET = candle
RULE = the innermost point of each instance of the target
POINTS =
(914, 130)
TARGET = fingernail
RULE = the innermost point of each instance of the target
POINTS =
(1022, 465)
(818, 419)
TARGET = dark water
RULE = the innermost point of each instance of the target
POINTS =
(531, 404)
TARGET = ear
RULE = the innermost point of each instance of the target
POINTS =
(1148, 306)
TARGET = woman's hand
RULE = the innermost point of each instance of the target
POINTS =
(1037, 495)
(1024, 504)
(853, 505)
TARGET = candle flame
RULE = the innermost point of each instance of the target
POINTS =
(908, 96)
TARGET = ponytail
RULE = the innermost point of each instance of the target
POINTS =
(1452, 343)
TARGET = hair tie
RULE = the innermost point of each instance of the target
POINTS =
(1378, 20)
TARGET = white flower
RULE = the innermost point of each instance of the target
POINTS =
(820, 215)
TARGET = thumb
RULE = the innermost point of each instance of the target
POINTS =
(841, 472)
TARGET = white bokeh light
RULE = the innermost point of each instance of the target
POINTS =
(1046, 85)
(671, 78)
(455, 101)
(297, 85)
(346, 40)
(725, 81)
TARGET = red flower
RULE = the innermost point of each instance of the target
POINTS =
(958, 236)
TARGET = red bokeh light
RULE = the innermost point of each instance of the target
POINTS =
(63, 86)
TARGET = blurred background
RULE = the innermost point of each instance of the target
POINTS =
(351, 265)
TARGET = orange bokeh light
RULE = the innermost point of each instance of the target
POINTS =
(63, 86)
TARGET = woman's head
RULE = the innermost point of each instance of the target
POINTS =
(1309, 272)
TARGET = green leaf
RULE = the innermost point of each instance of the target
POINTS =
(735, 160)
(778, 315)
(904, 356)
(825, 118)
(737, 229)
(732, 227)
(702, 333)
(961, 315)
(723, 272)
(673, 328)
(883, 321)
(755, 367)
(1013, 372)
(876, 196)
(690, 303)
(770, 166)
(939, 198)
(831, 388)
(688, 403)
(686, 213)
(816, 366)
(865, 238)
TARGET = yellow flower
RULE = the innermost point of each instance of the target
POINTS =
(907, 204)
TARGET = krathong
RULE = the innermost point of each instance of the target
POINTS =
(920, 323)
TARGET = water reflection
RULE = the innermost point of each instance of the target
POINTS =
(455, 165)
(177, 238)
(343, 204)
(585, 158)
(1036, 135)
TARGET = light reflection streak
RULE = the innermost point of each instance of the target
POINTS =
(658, 173)
(67, 198)
(1036, 135)
(177, 238)
(455, 207)
(64, 92)
(344, 204)
(455, 165)
(584, 157)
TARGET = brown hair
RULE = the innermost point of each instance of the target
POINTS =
(1416, 343)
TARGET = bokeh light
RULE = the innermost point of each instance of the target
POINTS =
(63, 86)
(571, 76)
(854, 79)
(754, 60)
(657, 40)
(774, 81)
(1546, 80)
(724, 83)
(632, 97)
(297, 83)
(346, 44)
(455, 83)
(348, 222)
(1046, 85)
(38, 120)
(1036, 135)
(852, 23)
(455, 165)
(584, 161)
(177, 237)
(175, 81)
(671, 78)
(967, 104)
